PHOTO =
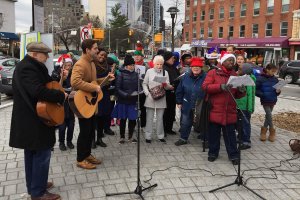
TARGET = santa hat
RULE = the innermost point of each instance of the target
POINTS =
(64, 58)
(225, 56)
(197, 62)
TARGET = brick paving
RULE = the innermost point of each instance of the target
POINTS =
(118, 171)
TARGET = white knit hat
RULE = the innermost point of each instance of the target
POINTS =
(225, 56)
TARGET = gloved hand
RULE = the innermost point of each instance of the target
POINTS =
(164, 84)
(241, 88)
(225, 87)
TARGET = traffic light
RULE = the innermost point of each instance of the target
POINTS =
(130, 32)
(158, 37)
(98, 34)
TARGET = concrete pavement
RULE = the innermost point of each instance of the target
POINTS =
(118, 171)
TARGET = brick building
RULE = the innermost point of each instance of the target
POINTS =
(260, 27)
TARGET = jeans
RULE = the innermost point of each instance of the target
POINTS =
(186, 123)
(85, 137)
(214, 137)
(268, 117)
(36, 171)
(68, 123)
(246, 128)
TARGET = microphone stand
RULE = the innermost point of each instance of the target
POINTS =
(139, 188)
(239, 179)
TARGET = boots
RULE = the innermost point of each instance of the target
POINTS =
(100, 142)
(272, 135)
(263, 133)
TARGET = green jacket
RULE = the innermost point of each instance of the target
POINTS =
(248, 101)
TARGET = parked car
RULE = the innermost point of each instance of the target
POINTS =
(290, 71)
(6, 81)
(8, 63)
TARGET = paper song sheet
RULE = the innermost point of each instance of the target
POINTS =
(141, 70)
(236, 81)
(279, 85)
(160, 79)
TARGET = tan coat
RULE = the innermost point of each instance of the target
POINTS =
(83, 73)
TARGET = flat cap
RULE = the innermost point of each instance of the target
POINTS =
(38, 47)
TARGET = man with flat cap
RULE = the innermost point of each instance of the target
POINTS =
(28, 132)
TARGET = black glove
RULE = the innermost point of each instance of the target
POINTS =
(241, 88)
(225, 87)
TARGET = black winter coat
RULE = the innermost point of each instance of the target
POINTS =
(126, 84)
(173, 74)
(27, 130)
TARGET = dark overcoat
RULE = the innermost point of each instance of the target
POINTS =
(27, 130)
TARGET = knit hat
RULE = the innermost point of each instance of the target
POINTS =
(176, 56)
(138, 53)
(247, 68)
(128, 60)
(186, 55)
(64, 58)
(160, 52)
(197, 62)
(225, 56)
(168, 55)
(116, 60)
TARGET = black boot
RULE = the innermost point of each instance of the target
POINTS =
(109, 132)
(94, 144)
(62, 146)
(70, 145)
(100, 143)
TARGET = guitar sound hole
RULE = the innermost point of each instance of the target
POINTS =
(93, 101)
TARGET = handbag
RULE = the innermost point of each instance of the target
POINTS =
(158, 92)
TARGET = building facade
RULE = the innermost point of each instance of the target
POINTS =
(257, 26)
(7, 16)
(294, 41)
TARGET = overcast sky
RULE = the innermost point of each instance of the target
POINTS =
(24, 16)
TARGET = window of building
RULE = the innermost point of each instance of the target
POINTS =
(231, 12)
(195, 16)
(195, 2)
(243, 10)
(254, 30)
(221, 32)
(270, 6)
(203, 15)
(285, 6)
(186, 36)
(203, 1)
(211, 1)
(202, 32)
(211, 13)
(283, 28)
(187, 18)
(209, 32)
(242, 31)
(256, 7)
(268, 29)
(221, 13)
(194, 32)
(230, 31)
(188, 3)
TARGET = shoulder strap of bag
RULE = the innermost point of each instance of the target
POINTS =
(163, 72)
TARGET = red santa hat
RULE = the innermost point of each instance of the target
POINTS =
(225, 56)
(64, 58)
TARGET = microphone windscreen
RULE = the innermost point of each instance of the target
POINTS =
(247, 68)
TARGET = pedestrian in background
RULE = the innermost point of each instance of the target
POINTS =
(268, 98)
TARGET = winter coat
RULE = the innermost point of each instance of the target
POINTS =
(149, 83)
(265, 90)
(248, 101)
(173, 74)
(27, 129)
(189, 91)
(127, 83)
(223, 108)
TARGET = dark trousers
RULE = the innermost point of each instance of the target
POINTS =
(86, 134)
(186, 122)
(143, 110)
(102, 124)
(131, 126)
(246, 127)
(69, 124)
(229, 136)
(170, 111)
(36, 171)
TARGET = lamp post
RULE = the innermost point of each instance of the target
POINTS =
(173, 11)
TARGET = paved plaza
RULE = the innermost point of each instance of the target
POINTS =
(118, 173)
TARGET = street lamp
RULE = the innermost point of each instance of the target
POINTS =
(173, 11)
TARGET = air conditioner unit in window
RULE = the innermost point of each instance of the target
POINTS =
(255, 35)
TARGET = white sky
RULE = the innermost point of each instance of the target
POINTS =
(24, 16)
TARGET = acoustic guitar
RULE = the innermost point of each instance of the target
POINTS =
(84, 104)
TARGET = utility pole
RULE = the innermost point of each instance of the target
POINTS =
(153, 28)
(33, 28)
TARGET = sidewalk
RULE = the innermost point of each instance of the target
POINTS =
(118, 171)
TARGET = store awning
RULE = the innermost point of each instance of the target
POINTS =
(199, 43)
(271, 42)
(185, 47)
(8, 36)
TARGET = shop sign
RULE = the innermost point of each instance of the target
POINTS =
(199, 43)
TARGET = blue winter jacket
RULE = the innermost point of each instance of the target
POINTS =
(189, 91)
(265, 90)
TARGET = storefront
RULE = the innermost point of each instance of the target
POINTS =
(269, 49)
(295, 49)
(8, 42)
(199, 47)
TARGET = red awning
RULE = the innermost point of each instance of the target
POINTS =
(271, 42)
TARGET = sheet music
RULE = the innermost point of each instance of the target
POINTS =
(141, 70)
(279, 85)
(236, 81)
(160, 79)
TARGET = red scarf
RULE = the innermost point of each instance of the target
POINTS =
(140, 63)
(226, 71)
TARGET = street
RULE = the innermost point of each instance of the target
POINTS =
(291, 91)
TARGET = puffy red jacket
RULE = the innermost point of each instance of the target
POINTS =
(223, 110)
